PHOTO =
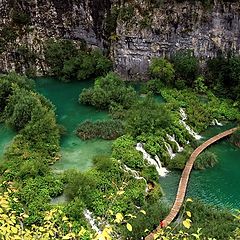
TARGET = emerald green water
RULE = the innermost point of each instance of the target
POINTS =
(6, 135)
(219, 185)
(76, 154)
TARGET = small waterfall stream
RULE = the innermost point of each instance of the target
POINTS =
(190, 131)
(162, 171)
(169, 150)
(172, 139)
(133, 172)
(215, 122)
(88, 215)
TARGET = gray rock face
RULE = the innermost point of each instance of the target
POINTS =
(205, 30)
(71, 19)
(150, 31)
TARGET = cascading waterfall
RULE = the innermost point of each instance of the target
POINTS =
(190, 131)
(133, 172)
(183, 114)
(135, 175)
(162, 171)
(172, 139)
(88, 215)
(215, 122)
(169, 150)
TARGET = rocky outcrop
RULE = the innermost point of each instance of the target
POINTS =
(162, 31)
(26, 25)
(133, 30)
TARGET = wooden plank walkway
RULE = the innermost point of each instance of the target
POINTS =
(182, 187)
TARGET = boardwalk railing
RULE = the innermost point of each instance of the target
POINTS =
(182, 187)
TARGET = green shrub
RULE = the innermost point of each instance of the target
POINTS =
(107, 91)
(162, 70)
(69, 63)
(20, 18)
(147, 116)
(215, 222)
(108, 129)
(186, 67)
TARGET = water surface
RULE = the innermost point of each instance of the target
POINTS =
(76, 154)
(6, 135)
(219, 185)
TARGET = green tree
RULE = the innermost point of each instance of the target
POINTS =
(107, 91)
(186, 67)
(147, 116)
(162, 69)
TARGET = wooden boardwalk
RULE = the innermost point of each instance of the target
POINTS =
(182, 187)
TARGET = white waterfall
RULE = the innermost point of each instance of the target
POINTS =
(88, 215)
(182, 121)
(215, 122)
(172, 139)
(135, 175)
(162, 171)
(169, 150)
(183, 114)
(133, 172)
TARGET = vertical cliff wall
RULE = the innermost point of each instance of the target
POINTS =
(133, 30)
(26, 24)
(207, 29)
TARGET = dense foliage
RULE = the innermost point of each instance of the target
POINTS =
(119, 188)
(162, 69)
(109, 91)
(36, 144)
(108, 129)
(224, 77)
(71, 63)
(201, 109)
(213, 221)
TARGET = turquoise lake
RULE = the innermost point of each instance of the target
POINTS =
(219, 185)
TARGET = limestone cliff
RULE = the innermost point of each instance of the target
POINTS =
(26, 24)
(161, 31)
(133, 30)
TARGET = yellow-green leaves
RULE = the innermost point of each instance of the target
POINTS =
(143, 212)
(119, 218)
(129, 227)
(187, 223)
(188, 214)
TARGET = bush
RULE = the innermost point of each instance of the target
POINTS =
(107, 91)
(124, 150)
(186, 67)
(18, 111)
(162, 70)
(147, 116)
(20, 18)
(69, 63)
(223, 76)
(214, 222)
(108, 129)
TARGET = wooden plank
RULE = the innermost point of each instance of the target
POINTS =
(182, 187)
